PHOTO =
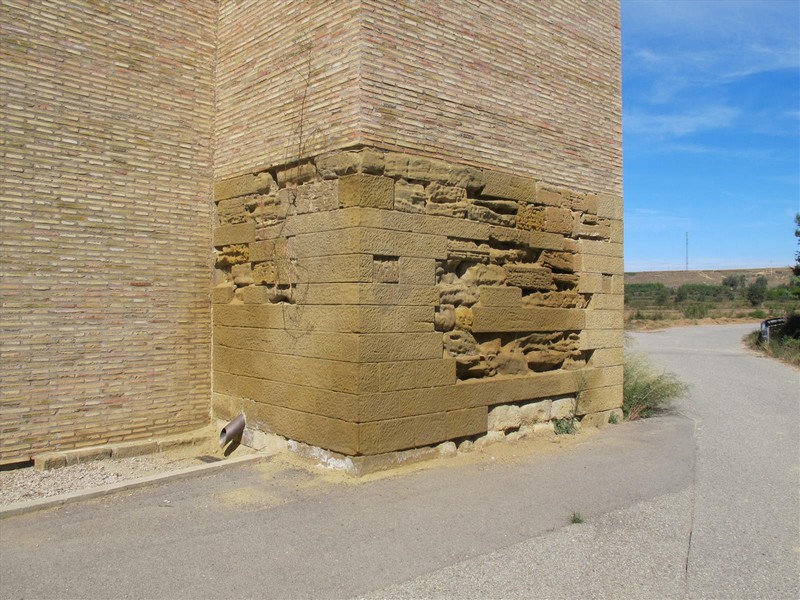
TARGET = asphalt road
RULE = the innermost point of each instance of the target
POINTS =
(700, 503)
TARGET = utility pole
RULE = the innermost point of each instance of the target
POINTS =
(687, 250)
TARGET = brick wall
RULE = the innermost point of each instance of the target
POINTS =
(527, 87)
(105, 224)
(287, 81)
(532, 88)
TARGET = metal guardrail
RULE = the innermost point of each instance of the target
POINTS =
(767, 325)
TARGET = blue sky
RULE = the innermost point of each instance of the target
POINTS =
(711, 129)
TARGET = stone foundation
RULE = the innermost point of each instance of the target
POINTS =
(367, 302)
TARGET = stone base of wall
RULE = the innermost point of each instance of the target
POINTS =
(367, 302)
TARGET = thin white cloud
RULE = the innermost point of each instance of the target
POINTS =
(638, 220)
(680, 45)
(655, 125)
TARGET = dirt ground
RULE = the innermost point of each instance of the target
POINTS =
(660, 324)
(25, 484)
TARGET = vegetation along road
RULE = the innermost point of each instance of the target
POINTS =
(698, 503)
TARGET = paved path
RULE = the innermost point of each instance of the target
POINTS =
(701, 503)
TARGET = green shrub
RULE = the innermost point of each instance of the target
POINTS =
(564, 426)
(695, 311)
(646, 390)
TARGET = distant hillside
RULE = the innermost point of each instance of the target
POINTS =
(775, 277)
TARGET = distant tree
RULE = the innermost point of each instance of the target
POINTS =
(796, 268)
(735, 282)
(757, 291)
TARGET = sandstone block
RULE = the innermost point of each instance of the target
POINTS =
(504, 417)
(430, 429)
(242, 233)
(563, 262)
(466, 446)
(399, 346)
(385, 270)
(599, 399)
(49, 460)
(509, 187)
(531, 218)
(416, 168)
(606, 357)
(565, 281)
(297, 174)
(387, 436)
(268, 249)
(529, 277)
(594, 283)
(593, 230)
(260, 183)
(467, 250)
(616, 232)
(550, 196)
(313, 197)
(535, 412)
(558, 220)
(587, 379)
(222, 294)
(599, 248)
(242, 274)
(468, 178)
(510, 362)
(366, 190)
(452, 211)
(492, 437)
(609, 206)
(444, 194)
(486, 215)
(417, 271)
(562, 408)
(337, 164)
(590, 263)
(129, 449)
(565, 299)
(607, 302)
(447, 449)
(232, 211)
(500, 296)
(394, 319)
(503, 207)
(341, 268)
(465, 422)
(445, 318)
(483, 275)
(601, 419)
(490, 320)
(580, 202)
(253, 294)
(398, 243)
(279, 272)
(83, 455)
(409, 197)
(604, 319)
(464, 318)
(232, 255)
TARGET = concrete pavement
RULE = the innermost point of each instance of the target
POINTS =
(482, 526)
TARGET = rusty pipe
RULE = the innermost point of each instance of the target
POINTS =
(232, 431)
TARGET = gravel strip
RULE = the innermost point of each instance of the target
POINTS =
(28, 484)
